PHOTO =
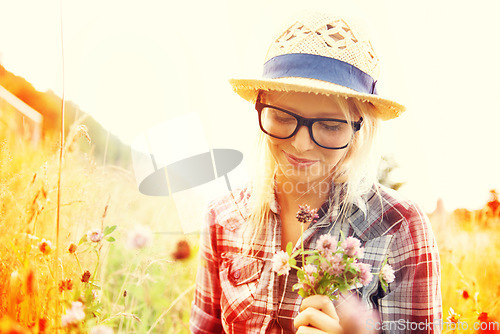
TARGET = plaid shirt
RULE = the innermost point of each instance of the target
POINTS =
(242, 294)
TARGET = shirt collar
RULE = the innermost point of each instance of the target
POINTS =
(332, 206)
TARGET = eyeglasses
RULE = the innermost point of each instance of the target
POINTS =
(329, 133)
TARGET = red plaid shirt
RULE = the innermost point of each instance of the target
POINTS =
(242, 294)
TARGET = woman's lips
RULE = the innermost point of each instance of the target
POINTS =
(298, 162)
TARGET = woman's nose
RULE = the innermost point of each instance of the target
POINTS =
(302, 141)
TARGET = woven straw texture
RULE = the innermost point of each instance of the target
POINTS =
(328, 36)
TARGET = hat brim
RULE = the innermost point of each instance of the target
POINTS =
(249, 89)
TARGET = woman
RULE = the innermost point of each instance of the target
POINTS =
(319, 114)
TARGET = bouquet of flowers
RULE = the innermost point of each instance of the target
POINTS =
(332, 268)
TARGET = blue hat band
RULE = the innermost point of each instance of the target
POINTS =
(321, 68)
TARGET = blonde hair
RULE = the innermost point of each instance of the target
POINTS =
(356, 170)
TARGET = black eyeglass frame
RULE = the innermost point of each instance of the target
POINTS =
(308, 122)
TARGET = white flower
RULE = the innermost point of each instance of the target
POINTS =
(74, 315)
(387, 273)
(139, 237)
(95, 235)
(280, 262)
(101, 329)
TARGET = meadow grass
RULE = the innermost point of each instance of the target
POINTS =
(146, 290)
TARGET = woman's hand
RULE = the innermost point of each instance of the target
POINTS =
(317, 315)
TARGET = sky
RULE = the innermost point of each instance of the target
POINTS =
(134, 65)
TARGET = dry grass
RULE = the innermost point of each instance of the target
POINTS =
(92, 197)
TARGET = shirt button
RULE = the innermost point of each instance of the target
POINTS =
(273, 315)
(236, 274)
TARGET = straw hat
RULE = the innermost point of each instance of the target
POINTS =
(322, 54)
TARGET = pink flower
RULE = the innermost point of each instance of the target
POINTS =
(139, 237)
(364, 274)
(337, 266)
(310, 270)
(306, 214)
(387, 273)
(95, 235)
(280, 262)
(351, 247)
(326, 244)
(74, 315)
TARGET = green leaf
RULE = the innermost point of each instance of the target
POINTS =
(292, 262)
(110, 239)
(109, 229)
(383, 283)
(289, 248)
(300, 275)
(310, 259)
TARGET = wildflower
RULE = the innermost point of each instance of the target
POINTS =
(72, 248)
(465, 294)
(337, 266)
(101, 329)
(95, 235)
(326, 244)
(483, 317)
(182, 250)
(86, 276)
(311, 272)
(43, 324)
(387, 273)
(66, 284)
(306, 214)
(452, 316)
(364, 274)
(45, 246)
(351, 247)
(139, 237)
(74, 315)
(281, 263)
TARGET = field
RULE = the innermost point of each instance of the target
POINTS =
(134, 279)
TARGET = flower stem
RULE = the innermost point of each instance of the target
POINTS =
(302, 244)
(96, 266)
(78, 261)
